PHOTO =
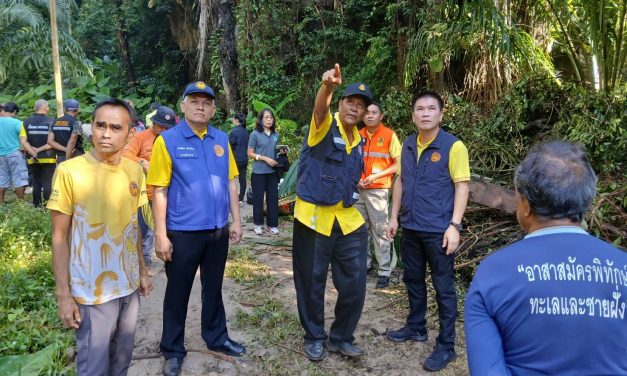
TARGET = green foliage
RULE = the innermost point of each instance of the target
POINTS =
(28, 312)
(25, 48)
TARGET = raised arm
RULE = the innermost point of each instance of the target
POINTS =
(330, 79)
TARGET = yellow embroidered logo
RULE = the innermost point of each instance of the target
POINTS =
(218, 150)
(435, 157)
(133, 188)
(201, 85)
(380, 141)
(362, 87)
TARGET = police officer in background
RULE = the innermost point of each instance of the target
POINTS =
(34, 139)
(327, 228)
(67, 131)
(194, 175)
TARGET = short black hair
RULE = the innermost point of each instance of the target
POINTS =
(114, 102)
(259, 126)
(11, 107)
(376, 103)
(240, 117)
(428, 94)
(557, 179)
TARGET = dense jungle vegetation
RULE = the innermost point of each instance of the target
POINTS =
(513, 72)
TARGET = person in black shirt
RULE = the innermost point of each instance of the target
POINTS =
(67, 131)
(42, 161)
(238, 138)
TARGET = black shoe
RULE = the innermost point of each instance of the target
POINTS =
(382, 282)
(439, 358)
(315, 351)
(229, 347)
(405, 333)
(345, 348)
(172, 366)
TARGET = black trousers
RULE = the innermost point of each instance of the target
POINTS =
(268, 183)
(192, 249)
(312, 254)
(242, 169)
(41, 174)
(417, 250)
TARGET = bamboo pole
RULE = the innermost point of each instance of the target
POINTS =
(55, 58)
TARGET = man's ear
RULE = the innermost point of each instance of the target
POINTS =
(131, 133)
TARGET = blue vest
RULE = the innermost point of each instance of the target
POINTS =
(428, 190)
(198, 195)
(327, 174)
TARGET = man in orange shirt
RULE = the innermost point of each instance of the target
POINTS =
(140, 150)
(382, 152)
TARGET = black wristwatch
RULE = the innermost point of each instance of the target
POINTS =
(458, 226)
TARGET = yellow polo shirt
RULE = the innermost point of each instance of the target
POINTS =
(321, 218)
(160, 170)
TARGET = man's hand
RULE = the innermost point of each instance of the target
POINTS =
(145, 165)
(369, 180)
(450, 240)
(145, 284)
(235, 232)
(332, 77)
(163, 248)
(68, 312)
(271, 162)
(392, 229)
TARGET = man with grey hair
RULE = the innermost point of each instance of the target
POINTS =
(553, 302)
(42, 161)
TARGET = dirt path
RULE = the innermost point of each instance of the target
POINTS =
(261, 312)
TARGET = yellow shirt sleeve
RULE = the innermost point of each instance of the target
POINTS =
(458, 163)
(160, 170)
(395, 146)
(317, 135)
(233, 172)
(23, 131)
(143, 194)
(61, 198)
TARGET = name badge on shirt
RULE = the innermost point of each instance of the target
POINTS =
(186, 152)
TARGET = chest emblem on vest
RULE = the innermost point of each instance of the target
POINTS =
(133, 188)
(219, 150)
(380, 141)
(435, 157)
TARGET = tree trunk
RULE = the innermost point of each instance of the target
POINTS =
(123, 45)
(228, 54)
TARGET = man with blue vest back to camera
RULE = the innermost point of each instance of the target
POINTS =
(431, 195)
(327, 228)
(194, 175)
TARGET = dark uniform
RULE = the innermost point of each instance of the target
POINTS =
(63, 128)
(42, 168)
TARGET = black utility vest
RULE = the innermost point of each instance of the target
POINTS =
(62, 128)
(36, 128)
(327, 174)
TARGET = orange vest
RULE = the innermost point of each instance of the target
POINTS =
(377, 155)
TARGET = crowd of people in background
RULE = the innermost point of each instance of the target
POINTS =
(175, 187)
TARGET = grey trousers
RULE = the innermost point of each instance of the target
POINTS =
(373, 206)
(106, 336)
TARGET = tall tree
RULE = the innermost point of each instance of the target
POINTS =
(229, 66)
(122, 38)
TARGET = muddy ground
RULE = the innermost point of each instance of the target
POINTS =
(261, 310)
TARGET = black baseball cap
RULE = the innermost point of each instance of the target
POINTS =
(360, 89)
(199, 87)
(165, 116)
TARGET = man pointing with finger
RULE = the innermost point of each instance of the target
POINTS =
(327, 228)
(194, 175)
(430, 194)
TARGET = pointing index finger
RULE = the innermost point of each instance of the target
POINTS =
(337, 74)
